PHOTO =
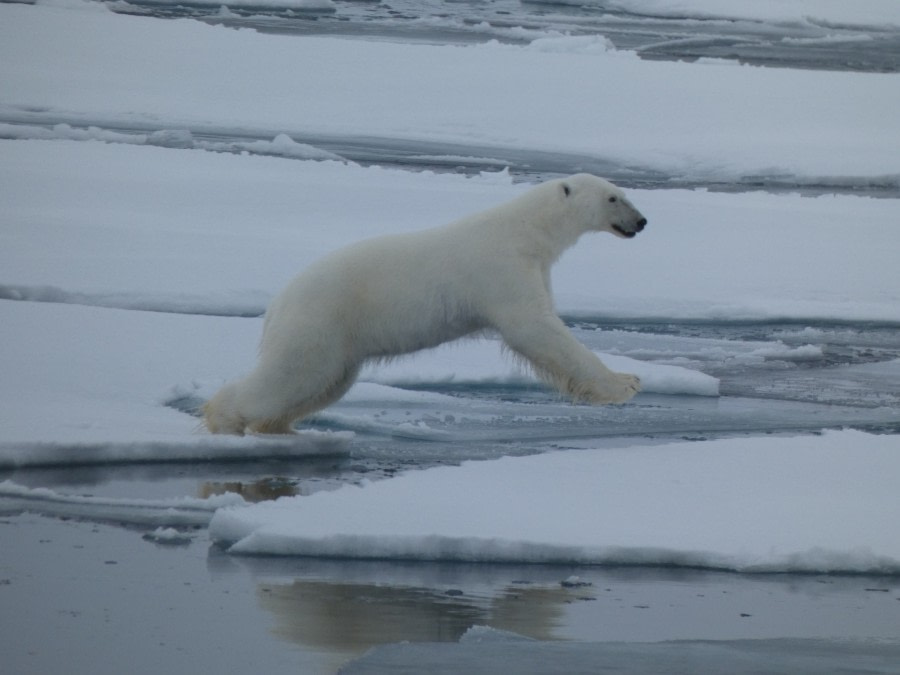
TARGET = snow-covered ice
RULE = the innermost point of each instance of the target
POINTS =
(100, 223)
(166, 229)
(83, 385)
(752, 505)
(716, 119)
(177, 231)
(165, 513)
(190, 234)
(161, 180)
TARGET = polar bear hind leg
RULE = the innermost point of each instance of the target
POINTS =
(306, 401)
(265, 404)
(220, 414)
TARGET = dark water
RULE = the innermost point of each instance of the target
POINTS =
(82, 597)
(493, 654)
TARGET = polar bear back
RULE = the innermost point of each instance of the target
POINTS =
(400, 293)
(376, 290)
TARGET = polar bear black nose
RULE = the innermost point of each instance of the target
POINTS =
(641, 223)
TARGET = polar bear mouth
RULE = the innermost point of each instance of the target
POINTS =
(625, 233)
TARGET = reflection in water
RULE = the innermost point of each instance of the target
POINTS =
(533, 611)
(351, 618)
(255, 491)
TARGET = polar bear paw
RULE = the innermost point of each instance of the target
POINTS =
(617, 389)
(631, 384)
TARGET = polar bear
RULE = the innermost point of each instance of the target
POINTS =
(400, 293)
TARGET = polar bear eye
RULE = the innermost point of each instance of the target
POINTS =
(612, 199)
(566, 190)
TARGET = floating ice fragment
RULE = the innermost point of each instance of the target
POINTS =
(168, 536)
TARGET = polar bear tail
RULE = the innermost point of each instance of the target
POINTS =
(220, 413)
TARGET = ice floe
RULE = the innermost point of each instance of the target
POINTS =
(774, 504)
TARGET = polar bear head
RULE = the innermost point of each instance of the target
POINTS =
(599, 205)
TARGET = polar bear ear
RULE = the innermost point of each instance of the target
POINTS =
(566, 189)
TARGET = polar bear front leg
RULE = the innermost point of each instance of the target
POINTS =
(557, 357)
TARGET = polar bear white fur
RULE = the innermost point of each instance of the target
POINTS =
(397, 294)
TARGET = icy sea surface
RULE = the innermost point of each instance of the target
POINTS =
(107, 564)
